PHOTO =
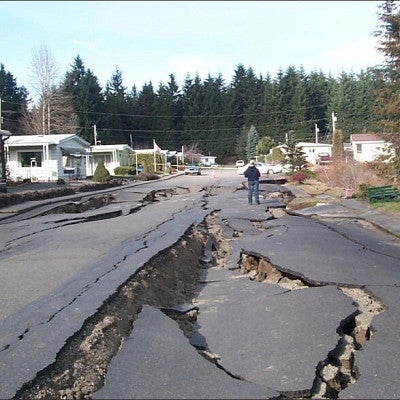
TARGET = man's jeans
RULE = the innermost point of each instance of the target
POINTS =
(253, 191)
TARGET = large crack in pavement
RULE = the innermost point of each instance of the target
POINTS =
(98, 278)
(171, 278)
(94, 203)
(81, 365)
(339, 369)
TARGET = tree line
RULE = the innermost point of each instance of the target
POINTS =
(211, 114)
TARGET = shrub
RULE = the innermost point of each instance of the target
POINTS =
(101, 173)
(349, 175)
(127, 170)
(299, 177)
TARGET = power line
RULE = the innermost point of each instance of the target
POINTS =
(292, 110)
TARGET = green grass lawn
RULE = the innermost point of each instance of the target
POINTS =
(391, 207)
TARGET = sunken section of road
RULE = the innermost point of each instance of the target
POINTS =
(186, 326)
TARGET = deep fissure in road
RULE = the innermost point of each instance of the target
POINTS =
(339, 369)
(170, 278)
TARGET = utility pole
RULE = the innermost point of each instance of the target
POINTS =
(316, 133)
(95, 135)
(334, 119)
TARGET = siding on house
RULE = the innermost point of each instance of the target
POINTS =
(46, 157)
(311, 150)
(367, 147)
(207, 160)
(113, 156)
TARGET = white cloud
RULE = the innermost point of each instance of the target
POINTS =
(355, 55)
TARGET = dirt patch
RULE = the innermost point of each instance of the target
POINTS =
(317, 192)
(314, 187)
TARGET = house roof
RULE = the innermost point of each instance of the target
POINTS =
(110, 147)
(365, 137)
(32, 140)
(313, 144)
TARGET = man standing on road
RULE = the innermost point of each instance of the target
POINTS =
(253, 180)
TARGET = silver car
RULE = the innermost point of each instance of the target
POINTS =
(192, 169)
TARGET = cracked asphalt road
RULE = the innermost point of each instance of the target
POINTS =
(251, 337)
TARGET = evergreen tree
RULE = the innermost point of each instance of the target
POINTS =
(388, 95)
(169, 113)
(117, 122)
(292, 102)
(192, 101)
(269, 110)
(316, 86)
(240, 145)
(252, 140)
(216, 138)
(87, 98)
(146, 102)
(364, 119)
(237, 95)
(294, 154)
(337, 145)
(13, 102)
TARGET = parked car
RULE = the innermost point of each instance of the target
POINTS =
(263, 168)
(239, 163)
(192, 169)
(323, 158)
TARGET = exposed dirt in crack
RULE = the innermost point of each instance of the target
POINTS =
(168, 279)
(171, 278)
(339, 369)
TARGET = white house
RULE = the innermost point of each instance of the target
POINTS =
(207, 160)
(112, 155)
(367, 147)
(312, 149)
(46, 157)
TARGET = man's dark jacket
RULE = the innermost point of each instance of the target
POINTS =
(252, 173)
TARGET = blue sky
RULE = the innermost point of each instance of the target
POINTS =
(148, 40)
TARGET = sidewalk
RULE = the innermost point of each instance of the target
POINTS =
(351, 208)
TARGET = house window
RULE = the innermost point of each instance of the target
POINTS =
(358, 148)
(30, 158)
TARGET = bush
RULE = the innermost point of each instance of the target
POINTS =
(101, 173)
(299, 177)
(349, 175)
(123, 171)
